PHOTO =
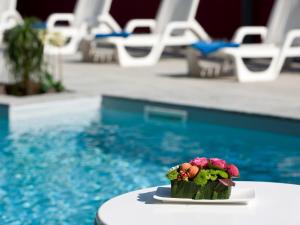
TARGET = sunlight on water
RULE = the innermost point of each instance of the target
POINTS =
(59, 170)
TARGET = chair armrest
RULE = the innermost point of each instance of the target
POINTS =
(9, 19)
(291, 36)
(242, 32)
(11, 15)
(193, 26)
(137, 23)
(109, 24)
(59, 17)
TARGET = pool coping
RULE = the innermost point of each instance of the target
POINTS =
(18, 104)
(249, 113)
(20, 108)
(15, 109)
(203, 106)
(255, 121)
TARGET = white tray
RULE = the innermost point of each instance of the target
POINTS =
(238, 196)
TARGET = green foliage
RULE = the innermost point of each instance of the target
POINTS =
(209, 175)
(202, 177)
(183, 189)
(172, 174)
(222, 174)
(24, 53)
(48, 84)
(211, 190)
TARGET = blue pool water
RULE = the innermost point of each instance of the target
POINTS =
(59, 170)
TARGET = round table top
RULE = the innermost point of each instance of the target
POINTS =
(274, 204)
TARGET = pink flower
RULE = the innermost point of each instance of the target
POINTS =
(200, 162)
(233, 170)
(218, 163)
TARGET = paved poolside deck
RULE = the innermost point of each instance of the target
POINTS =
(168, 82)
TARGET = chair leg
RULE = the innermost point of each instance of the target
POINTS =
(192, 60)
(206, 68)
(126, 60)
(246, 75)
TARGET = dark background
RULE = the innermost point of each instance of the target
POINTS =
(220, 18)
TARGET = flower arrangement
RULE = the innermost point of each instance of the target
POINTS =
(203, 178)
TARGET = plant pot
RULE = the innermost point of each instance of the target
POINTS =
(17, 89)
(188, 189)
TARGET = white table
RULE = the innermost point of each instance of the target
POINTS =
(274, 204)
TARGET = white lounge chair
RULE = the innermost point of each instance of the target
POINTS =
(175, 25)
(9, 16)
(278, 42)
(84, 18)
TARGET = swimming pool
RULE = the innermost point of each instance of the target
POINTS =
(59, 170)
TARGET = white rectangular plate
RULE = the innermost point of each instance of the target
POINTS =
(238, 196)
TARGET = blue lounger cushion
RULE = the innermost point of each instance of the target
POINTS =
(39, 25)
(209, 47)
(113, 34)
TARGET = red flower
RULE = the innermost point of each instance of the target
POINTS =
(233, 170)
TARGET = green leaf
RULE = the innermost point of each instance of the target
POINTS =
(183, 189)
(172, 174)
(223, 174)
(213, 172)
(213, 177)
(201, 178)
(188, 189)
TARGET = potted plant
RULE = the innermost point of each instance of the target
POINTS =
(24, 54)
(202, 178)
